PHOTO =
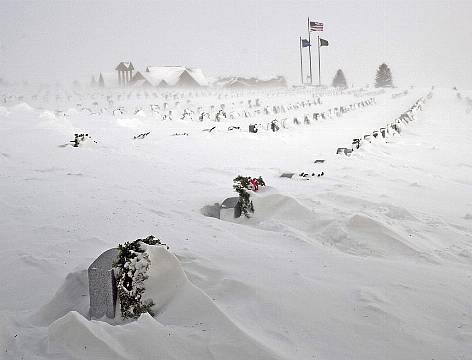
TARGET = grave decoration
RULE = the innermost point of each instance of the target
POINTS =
(141, 136)
(130, 270)
(241, 185)
(307, 175)
(80, 138)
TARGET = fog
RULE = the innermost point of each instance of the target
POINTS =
(424, 42)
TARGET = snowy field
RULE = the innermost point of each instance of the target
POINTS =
(370, 261)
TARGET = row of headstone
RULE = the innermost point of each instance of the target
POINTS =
(397, 95)
(336, 111)
(253, 109)
(392, 128)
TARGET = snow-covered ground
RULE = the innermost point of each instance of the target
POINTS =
(370, 261)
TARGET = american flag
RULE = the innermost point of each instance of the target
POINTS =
(316, 26)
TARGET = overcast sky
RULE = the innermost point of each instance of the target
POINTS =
(424, 42)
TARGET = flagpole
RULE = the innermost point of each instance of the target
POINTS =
(309, 50)
(319, 63)
(301, 60)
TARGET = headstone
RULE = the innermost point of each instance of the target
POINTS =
(356, 143)
(287, 175)
(102, 285)
(230, 207)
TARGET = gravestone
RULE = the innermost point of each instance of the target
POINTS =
(287, 175)
(102, 285)
(230, 207)
(356, 143)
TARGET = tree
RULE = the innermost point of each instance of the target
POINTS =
(383, 77)
(339, 79)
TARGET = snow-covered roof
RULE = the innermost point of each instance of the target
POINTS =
(198, 75)
(172, 74)
(238, 81)
(148, 77)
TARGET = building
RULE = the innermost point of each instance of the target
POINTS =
(170, 76)
(238, 82)
(153, 76)
(125, 72)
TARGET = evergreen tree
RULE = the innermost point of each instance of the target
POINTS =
(339, 79)
(383, 77)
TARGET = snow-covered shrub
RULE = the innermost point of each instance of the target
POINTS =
(130, 268)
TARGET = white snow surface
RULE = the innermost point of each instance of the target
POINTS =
(371, 261)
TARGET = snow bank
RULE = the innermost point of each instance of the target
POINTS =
(71, 296)
(187, 324)
(3, 111)
(22, 107)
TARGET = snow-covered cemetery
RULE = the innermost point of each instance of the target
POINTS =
(165, 212)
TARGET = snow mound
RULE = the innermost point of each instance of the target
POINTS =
(188, 325)
(22, 107)
(47, 115)
(356, 234)
(3, 111)
(71, 296)
(132, 123)
(363, 235)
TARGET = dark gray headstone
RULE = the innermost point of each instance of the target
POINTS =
(252, 128)
(102, 285)
(232, 203)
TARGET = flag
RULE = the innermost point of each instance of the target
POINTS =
(323, 42)
(305, 43)
(316, 26)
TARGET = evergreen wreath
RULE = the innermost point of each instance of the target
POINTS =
(241, 185)
(130, 270)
